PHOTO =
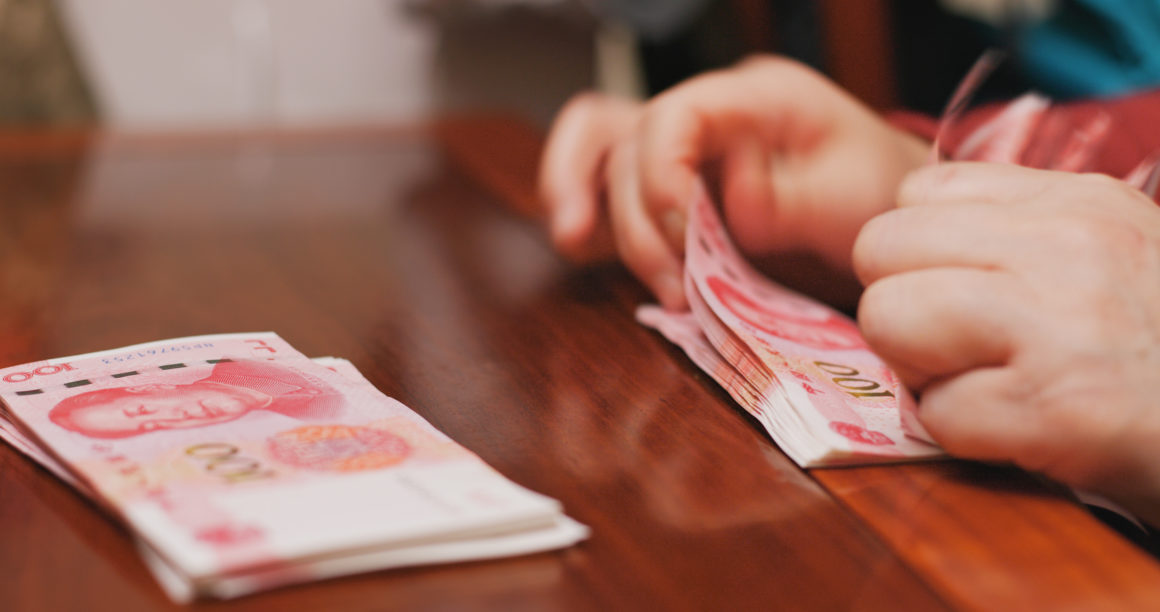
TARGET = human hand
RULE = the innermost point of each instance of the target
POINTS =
(801, 166)
(1024, 308)
(572, 172)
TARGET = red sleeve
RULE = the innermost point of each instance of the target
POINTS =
(1134, 133)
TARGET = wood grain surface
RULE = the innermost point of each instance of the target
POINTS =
(403, 251)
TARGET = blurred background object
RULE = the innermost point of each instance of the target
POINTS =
(40, 82)
(1062, 48)
(176, 64)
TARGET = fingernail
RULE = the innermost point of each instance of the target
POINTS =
(673, 225)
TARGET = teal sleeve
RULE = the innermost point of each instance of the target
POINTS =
(1094, 48)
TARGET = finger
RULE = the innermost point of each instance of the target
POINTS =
(570, 179)
(641, 246)
(977, 415)
(947, 235)
(934, 323)
(975, 182)
(747, 194)
(694, 122)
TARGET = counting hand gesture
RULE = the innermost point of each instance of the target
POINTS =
(799, 165)
(1023, 306)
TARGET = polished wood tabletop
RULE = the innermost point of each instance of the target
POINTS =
(414, 253)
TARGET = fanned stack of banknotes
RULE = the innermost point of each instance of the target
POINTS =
(798, 366)
(240, 465)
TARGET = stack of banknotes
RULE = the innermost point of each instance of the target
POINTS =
(796, 365)
(240, 465)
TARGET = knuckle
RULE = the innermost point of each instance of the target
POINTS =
(760, 60)
(779, 64)
(1097, 236)
(1096, 183)
(1101, 191)
(583, 107)
(912, 189)
(595, 113)
(673, 104)
(1079, 234)
(1072, 232)
(1123, 241)
(920, 186)
(1107, 190)
(767, 61)
(682, 97)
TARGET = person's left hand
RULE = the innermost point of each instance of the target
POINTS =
(1023, 306)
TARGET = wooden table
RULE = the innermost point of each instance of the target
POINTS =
(400, 250)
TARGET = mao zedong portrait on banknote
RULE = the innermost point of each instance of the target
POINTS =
(230, 390)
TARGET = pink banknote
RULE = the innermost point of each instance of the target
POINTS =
(767, 404)
(241, 464)
(1004, 138)
(17, 439)
(682, 329)
(847, 399)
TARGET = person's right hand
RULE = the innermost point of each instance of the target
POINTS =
(801, 166)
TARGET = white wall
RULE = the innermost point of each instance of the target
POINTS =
(203, 63)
